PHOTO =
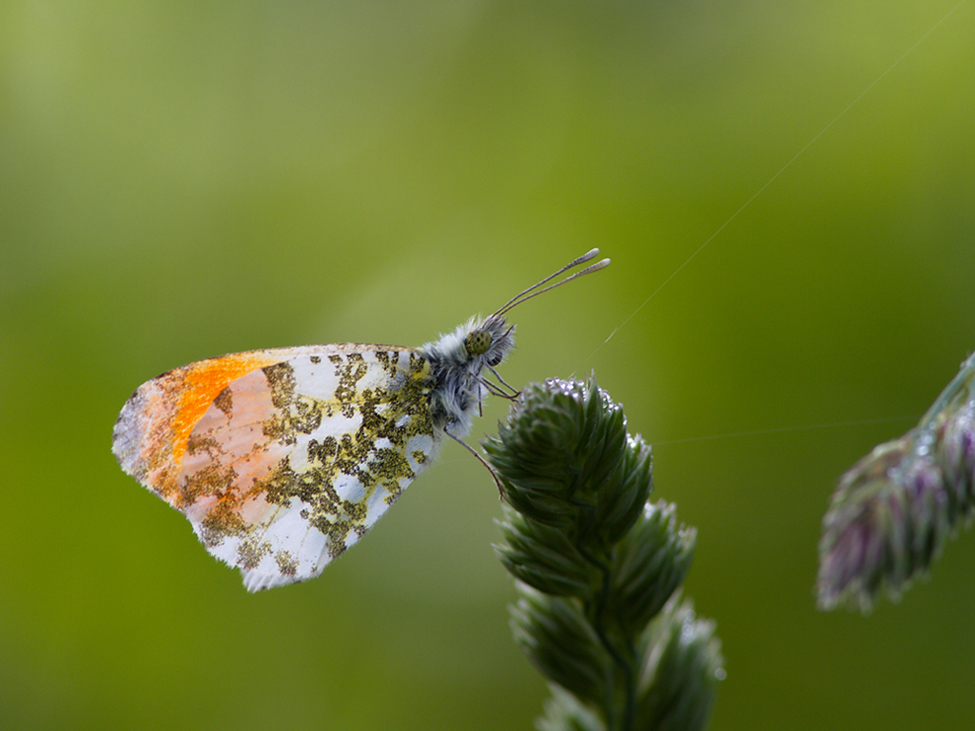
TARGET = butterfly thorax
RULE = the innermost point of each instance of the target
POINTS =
(456, 361)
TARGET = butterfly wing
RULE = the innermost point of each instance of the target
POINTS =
(282, 459)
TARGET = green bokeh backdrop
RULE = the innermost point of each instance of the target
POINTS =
(180, 180)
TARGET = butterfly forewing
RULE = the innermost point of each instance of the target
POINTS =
(282, 459)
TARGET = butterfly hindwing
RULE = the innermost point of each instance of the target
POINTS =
(282, 459)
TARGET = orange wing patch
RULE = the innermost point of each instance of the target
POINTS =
(202, 384)
(153, 430)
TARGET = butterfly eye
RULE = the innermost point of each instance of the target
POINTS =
(478, 342)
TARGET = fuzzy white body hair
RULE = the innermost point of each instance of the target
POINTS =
(455, 367)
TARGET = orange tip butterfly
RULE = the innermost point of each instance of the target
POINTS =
(281, 459)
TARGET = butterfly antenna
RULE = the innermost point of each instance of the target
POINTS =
(533, 290)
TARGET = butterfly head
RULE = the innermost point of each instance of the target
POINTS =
(487, 342)
(476, 344)
(457, 359)
(490, 340)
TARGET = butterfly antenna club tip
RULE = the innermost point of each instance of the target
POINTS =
(534, 289)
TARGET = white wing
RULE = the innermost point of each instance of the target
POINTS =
(282, 459)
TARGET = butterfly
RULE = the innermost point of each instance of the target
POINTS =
(282, 459)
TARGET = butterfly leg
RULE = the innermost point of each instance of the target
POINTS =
(469, 448)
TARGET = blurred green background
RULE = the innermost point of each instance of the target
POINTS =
(181, 180)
